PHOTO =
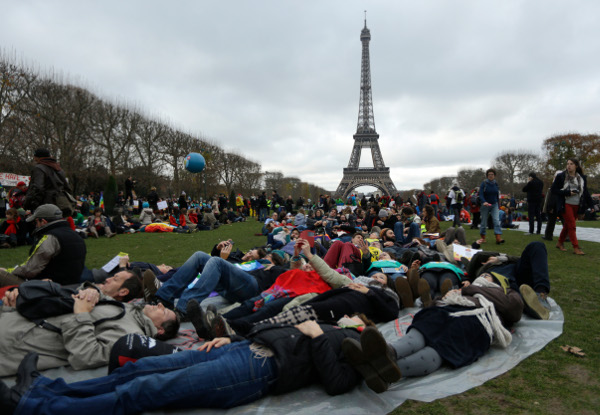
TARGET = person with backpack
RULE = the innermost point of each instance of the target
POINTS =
(82, 338)
(434, 201)
(48, 184)
(457, 198)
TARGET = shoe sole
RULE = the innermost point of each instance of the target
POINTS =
(533, 303)
(404, 291)
(425, 292)
(413, 281)
(197, 317)
(149, 286)
(446, 286)
(375, 350)
(353, 353)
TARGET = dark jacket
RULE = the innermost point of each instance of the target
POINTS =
(557, 189)
(375, 304)
(302, 360)
(47, 181)
(534, 188)
(66, 266)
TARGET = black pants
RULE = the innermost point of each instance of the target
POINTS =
(534, 211)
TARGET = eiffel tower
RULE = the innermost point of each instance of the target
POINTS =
(366, 137)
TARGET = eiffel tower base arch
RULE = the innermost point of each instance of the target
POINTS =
(353, 178)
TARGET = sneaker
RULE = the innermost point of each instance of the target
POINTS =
(444, 249)
(150, 285)
(379, 354)
(404, 291)
(532, 304)
(353, 353)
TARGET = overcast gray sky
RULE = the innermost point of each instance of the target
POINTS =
(454, 82)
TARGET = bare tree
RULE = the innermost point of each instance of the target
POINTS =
(513, 168)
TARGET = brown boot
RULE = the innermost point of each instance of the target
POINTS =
(446, 286)
(482, 237)
(404, 292)
(499, 240)
(578, 251)
(425, 292)
(413, 281)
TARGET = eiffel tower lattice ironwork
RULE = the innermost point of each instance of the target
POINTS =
(366, 137)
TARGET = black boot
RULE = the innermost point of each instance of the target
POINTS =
(197, 316)
(26, 373)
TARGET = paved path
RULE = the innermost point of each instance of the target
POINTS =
(583, 234)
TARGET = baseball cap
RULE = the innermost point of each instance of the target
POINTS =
(47, 211)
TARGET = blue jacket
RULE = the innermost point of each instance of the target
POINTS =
(489, 192)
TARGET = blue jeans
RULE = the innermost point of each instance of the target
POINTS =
(173, 288)
(262, 214)
(490, 210)
(225, 377)
(227, 279)
(414, 231)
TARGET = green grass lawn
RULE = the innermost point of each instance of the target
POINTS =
(549, 382)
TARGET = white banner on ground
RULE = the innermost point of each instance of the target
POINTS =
(463, 251)
(11, 179)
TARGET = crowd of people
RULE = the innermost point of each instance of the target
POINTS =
(305, 304)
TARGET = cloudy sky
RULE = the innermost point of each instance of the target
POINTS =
(454, 82)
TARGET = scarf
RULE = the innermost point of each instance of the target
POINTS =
(576, 181)
(486, 314)
(12, 228)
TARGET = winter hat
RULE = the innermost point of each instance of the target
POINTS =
(383, 213)
(145, 205)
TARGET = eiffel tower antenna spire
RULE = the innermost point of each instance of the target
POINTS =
(366, 136)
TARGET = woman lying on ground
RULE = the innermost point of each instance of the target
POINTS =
(456, 330)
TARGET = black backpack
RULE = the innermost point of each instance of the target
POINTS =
(39, 300)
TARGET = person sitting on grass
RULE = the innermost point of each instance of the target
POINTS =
(98, 224)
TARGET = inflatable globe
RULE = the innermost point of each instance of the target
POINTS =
(194, 162)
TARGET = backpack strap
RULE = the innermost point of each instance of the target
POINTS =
(49, 326)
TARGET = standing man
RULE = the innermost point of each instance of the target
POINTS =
(48, 184)
(129, 186)
(58, 252)
(456, 197)
(534, 188)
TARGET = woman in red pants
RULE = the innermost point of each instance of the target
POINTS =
(570, 187)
